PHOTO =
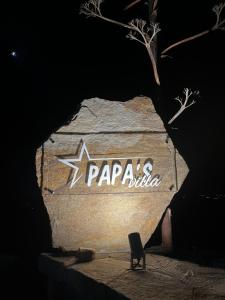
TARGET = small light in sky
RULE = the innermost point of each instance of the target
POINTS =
(13, 53)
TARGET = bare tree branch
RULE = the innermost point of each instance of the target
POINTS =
(92, 8)
(131, 36)
(147, 34)
(139, 31)
(179, 100)
(217, 9)
(184, 102)
(155, 3)
(154, 65)
(183, 41)
(138, 26)
(156, 29)
(132, 4)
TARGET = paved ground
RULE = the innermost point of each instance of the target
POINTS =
(109, 277)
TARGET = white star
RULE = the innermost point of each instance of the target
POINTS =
(69, 162)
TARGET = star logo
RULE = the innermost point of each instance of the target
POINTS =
(70, 162)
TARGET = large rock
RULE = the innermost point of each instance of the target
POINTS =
(113, 170)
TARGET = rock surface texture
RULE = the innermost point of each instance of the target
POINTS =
(109, 277)
(111, 171)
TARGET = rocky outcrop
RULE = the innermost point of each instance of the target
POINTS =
(111, 171)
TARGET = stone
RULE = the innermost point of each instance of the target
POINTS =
(109, 277)
(112, 171)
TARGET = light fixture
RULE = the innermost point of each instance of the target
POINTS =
(137, 259)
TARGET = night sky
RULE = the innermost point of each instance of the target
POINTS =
(62, 58)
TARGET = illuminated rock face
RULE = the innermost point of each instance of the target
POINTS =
(110, 172)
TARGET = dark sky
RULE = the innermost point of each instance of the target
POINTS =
(62, 55)
(62, 58)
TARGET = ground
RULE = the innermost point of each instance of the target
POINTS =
(109, 277)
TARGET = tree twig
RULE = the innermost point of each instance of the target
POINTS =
(184, 102)
(138, 29)
(217, 9)
(154, 66)
(132, 4)
(188, 39)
